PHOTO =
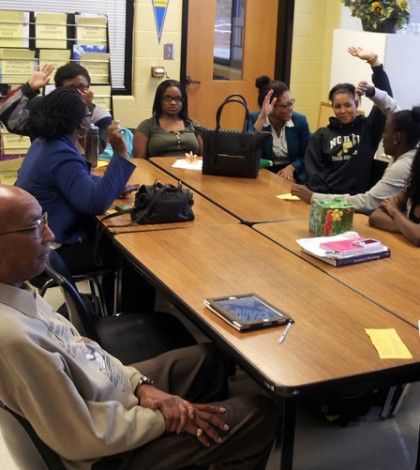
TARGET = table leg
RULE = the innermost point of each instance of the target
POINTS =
(288, 433)
(386, 409)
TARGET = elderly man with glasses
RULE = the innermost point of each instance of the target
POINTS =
(93, 411)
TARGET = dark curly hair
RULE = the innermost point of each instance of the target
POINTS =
(265, 84)
(60, 113)
(160, 91)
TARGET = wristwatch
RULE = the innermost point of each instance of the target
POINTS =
(142, 381)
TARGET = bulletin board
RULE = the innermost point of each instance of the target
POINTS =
(30, 39)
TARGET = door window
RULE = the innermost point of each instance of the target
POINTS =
(228, 39)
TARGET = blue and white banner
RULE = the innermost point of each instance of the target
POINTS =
(160, 7)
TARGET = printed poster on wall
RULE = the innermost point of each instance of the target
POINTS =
(160, 7)
(14, 29)
(51, 30)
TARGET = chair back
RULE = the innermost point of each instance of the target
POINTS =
(24, 445)
(77, 310)
(377, 171)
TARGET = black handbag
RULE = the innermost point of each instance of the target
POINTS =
(231, 152)
(162, 203)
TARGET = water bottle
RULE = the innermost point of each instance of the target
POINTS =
(92, 145)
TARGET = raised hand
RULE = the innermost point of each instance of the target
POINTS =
(40, 77)
(116, 139)
(370, 56)
(363, 88)
(268, 104)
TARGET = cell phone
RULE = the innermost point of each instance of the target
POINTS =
(367, 242)
(128, 190)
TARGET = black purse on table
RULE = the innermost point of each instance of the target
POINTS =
(231, 152)
(161, 204)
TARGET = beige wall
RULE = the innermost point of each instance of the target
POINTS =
(314, 23)
(148, 52)
(311, 56)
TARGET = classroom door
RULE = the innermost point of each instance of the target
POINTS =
(205, 93)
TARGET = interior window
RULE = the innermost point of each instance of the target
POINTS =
(229, 30)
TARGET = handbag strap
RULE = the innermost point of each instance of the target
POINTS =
(232, 100)
(237, 96)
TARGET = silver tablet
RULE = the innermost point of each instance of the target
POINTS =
(247, 311)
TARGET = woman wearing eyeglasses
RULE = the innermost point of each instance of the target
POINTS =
(284, 152)
(58, 176)
(170, 132)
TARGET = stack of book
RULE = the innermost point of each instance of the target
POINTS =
(344, 249)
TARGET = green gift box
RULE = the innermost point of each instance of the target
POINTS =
(330, 217)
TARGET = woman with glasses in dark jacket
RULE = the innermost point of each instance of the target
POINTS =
(284, 152)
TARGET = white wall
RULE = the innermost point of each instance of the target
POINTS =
(397, 53)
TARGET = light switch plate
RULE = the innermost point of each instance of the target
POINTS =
(168, 51)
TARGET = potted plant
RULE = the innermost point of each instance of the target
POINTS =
(385, 16)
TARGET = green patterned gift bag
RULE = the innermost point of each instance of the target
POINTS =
(330, 217)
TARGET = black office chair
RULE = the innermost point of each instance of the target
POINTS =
(24, 445)
(131, 337)
(43, 282)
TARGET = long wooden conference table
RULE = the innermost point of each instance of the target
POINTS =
(327, 351)
(250, 200)
(391, 283)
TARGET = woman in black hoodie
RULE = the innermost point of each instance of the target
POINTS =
(338, 159)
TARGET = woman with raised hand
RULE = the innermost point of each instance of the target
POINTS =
(284, 152)
(401, 149)
(338, 159)
(170, 131)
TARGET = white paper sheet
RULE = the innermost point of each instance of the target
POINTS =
(186, 165)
